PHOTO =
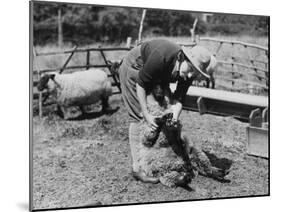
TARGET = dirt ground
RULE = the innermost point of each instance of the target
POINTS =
(79, 162)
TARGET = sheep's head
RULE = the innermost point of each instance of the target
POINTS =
(46, 82)
(160, 121)
(172, 124)
(151, 136)
(171, 127)
(168, 123)
(114, 66)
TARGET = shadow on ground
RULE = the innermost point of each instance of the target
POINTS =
(94, 115)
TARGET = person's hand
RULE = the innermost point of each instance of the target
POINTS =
(150, 119)
(175, 117)
(176, 110)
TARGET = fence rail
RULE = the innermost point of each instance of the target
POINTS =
(252, 61)
(188, 44)
(237, 81)
(242, 65)
(235, 42)
(43, 71)
(258, 76)
(39, 72)
(100, 49)
(85, 50)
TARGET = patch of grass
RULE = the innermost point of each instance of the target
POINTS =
(93, 162)
(76, 131)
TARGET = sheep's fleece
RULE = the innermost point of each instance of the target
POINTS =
(168, 156)
(157, 158)
(80, 88)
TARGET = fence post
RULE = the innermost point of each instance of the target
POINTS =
(141, 25)
(267, 68)
(113, 75)
(68, 59)
(192, 31)
(255, 70)
(129, 40)
(232, 66)
(219, 47)
(88, 59)
(39, 77)
(60, 33)
(40, 98)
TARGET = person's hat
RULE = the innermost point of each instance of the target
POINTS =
(202, 60)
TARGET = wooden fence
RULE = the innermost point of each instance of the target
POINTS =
(259, 72)
(86, 66)
(251, 71)
(39, 72)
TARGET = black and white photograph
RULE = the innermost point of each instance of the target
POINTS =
(137, 105)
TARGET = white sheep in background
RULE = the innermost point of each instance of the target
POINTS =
(78, 88)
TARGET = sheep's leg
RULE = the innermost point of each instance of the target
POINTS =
(65, 112)
(82, 109)
(187, 147)
(200, 162)
(105, 105)
(207, 83)
(212, 80)
(60, 112)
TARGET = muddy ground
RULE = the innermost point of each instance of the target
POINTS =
(79, 162)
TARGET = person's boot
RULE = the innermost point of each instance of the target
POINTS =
(144, 178)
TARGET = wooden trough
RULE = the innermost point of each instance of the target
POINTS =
(199, 99)
(224, 103)
(257, 134)
(253, 109)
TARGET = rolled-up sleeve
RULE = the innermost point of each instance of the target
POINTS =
(181, 90)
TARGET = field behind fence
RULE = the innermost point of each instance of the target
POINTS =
(242, 67)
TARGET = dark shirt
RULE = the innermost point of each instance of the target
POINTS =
(159, 57)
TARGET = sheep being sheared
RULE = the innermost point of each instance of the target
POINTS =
(154, 153)
(78, 88)
(166, 154)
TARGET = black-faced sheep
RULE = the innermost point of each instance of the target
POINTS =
(166, 154)
(78, 88)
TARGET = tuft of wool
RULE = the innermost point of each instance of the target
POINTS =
(84, 87)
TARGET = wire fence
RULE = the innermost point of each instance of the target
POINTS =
(243, 67)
